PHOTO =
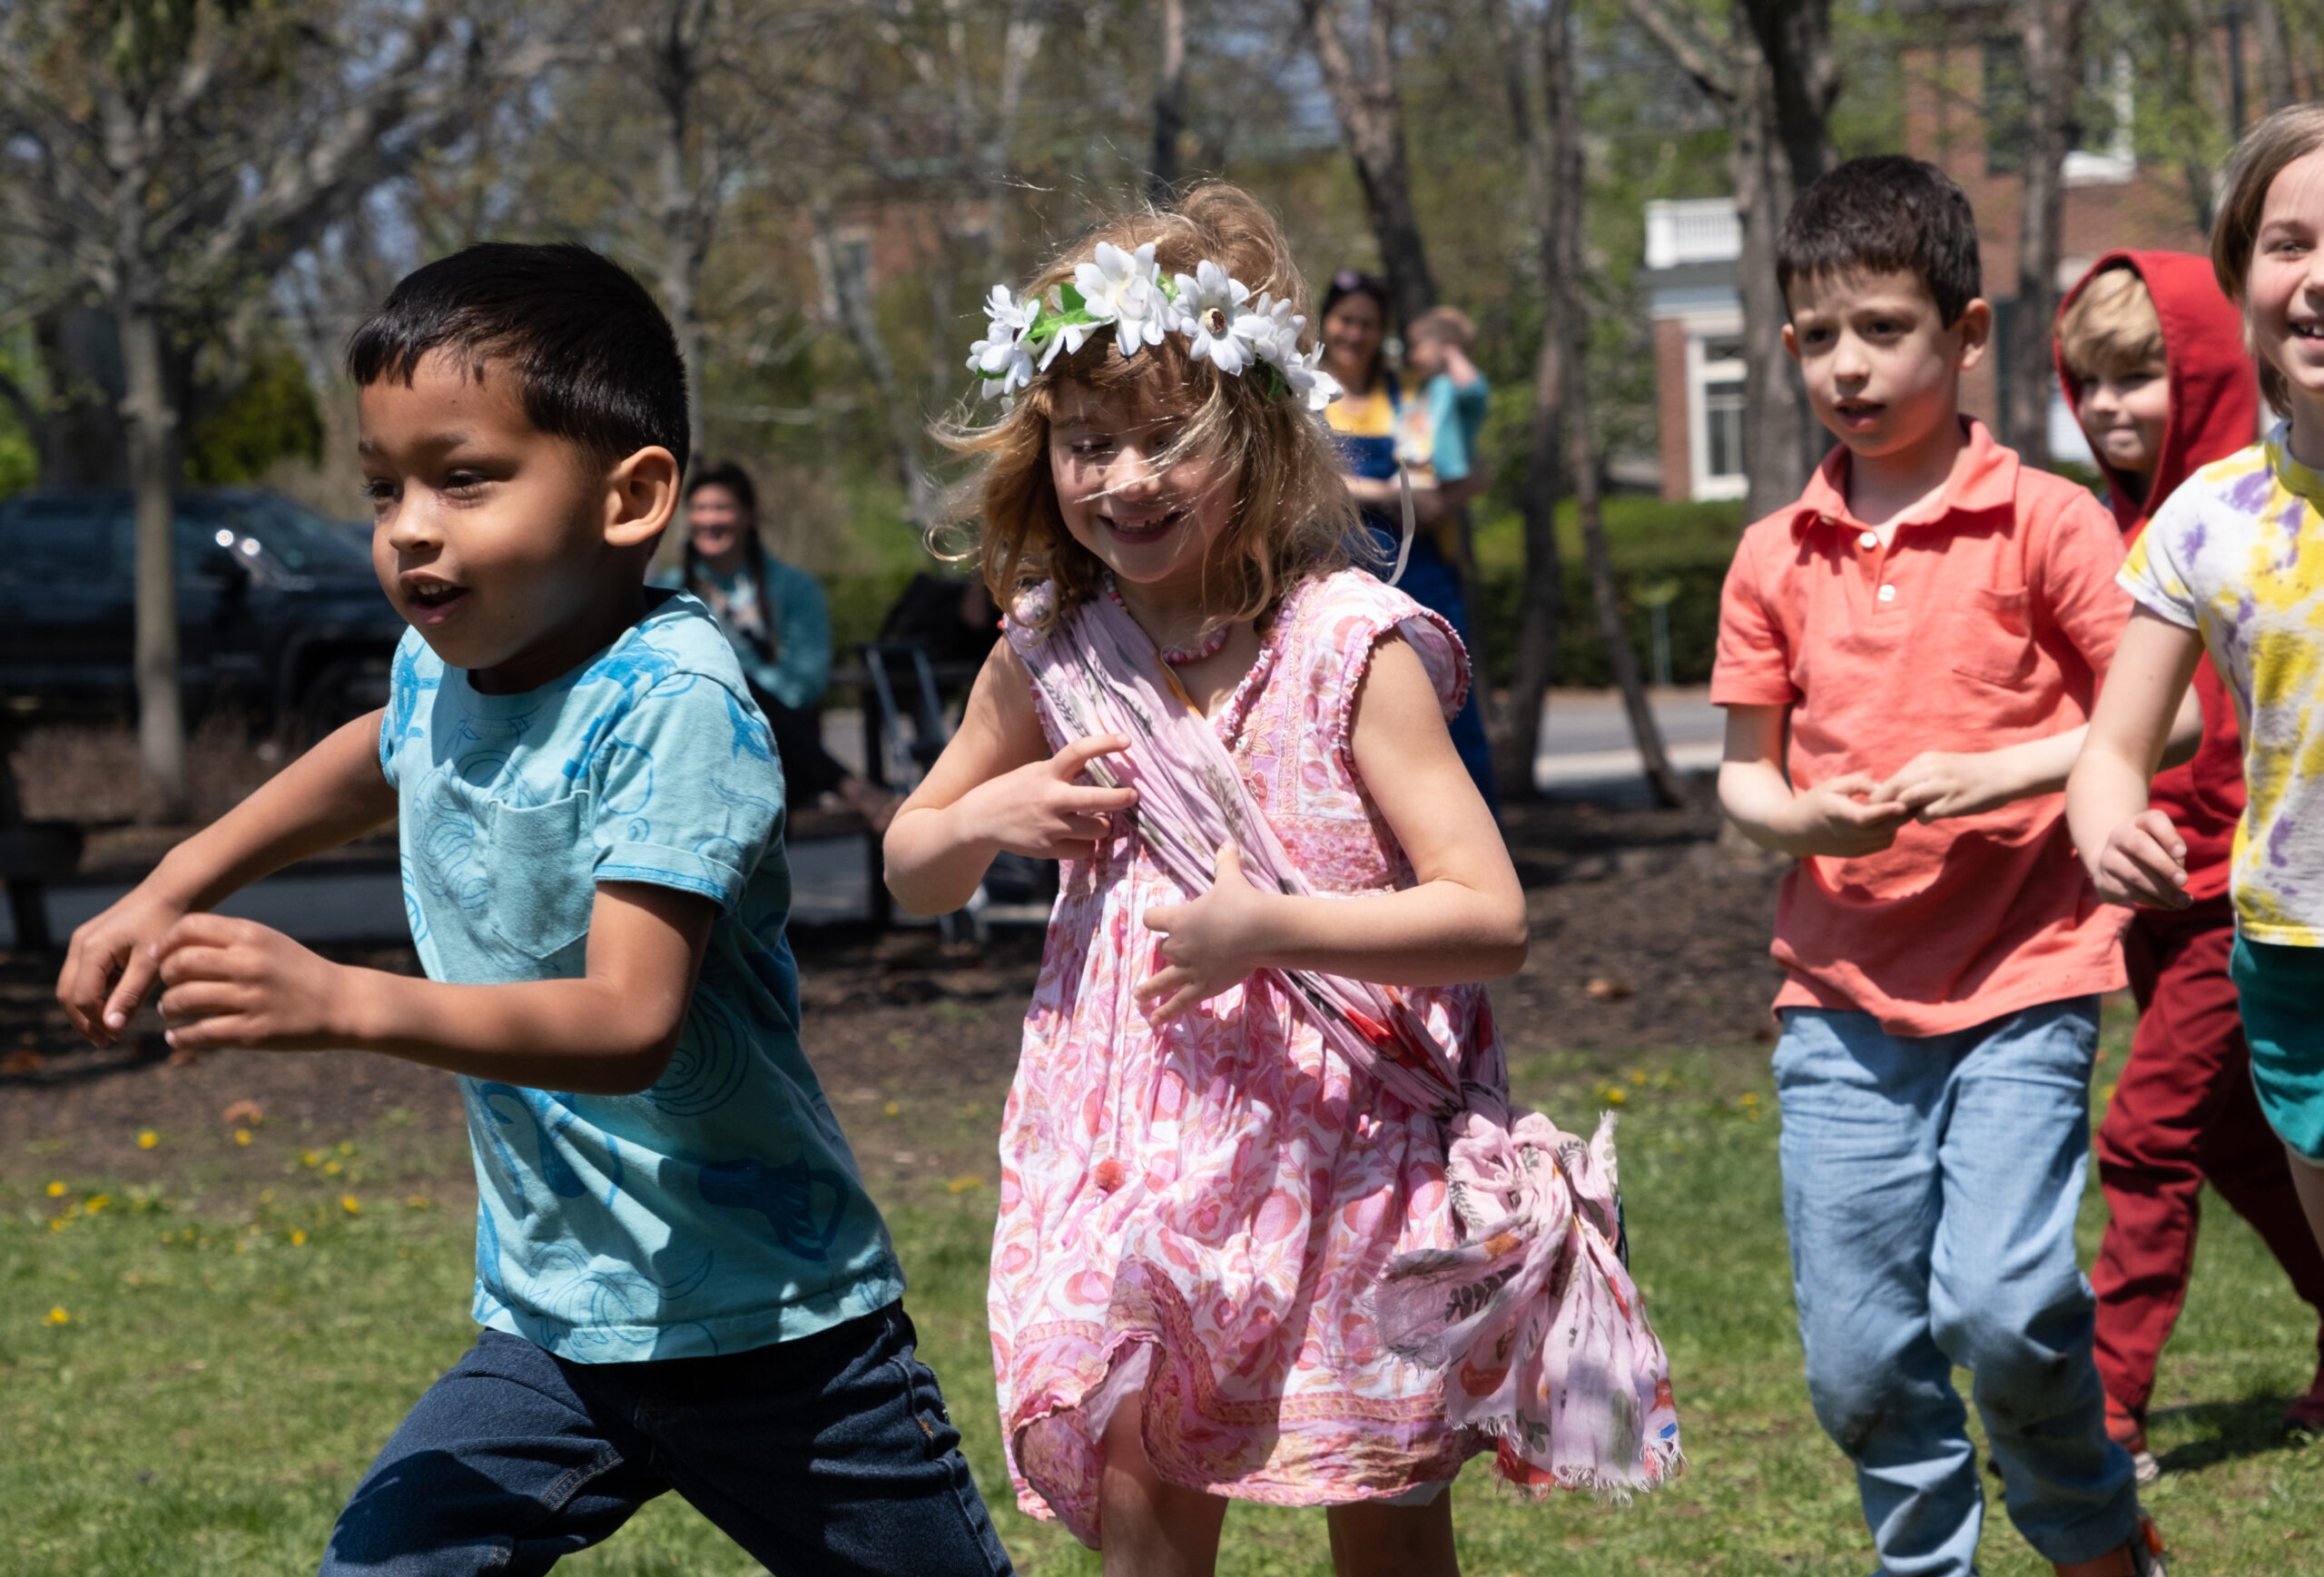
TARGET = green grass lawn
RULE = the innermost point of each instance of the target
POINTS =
(196, 1389)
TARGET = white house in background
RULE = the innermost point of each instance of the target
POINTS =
(1958, 115)
(1690, 252)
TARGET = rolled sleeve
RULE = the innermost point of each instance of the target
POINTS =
(2078, 587)
(689, 794)
(1753, 667)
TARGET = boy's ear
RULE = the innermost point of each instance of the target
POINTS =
(641, 495)
(1790, 343)
(1974, 332)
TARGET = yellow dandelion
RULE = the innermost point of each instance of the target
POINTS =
(1616, 1095)
(242, 1136)
(346, 1146)
(147, 1139)
(892, 1108)
(963, 1184)
(1638, 1076)
(311, 1157)
(351, 1204)
(57, 1316)
(418, 1202)
(266, 1197)
(1751, 1098)
(332, 1168)
(297, 1237)
(97, 1202)
(57, 1224)
(56, 1190)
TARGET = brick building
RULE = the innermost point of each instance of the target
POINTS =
(1958, 115)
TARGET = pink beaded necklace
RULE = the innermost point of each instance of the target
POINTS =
(1177, 656)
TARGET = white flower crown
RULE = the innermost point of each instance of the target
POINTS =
(1128, 290)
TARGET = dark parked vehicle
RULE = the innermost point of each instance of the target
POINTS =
(278, 612)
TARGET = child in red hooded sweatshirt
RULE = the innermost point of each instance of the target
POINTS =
(2151, 356)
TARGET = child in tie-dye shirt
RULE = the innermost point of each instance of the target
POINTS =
(2234, 564)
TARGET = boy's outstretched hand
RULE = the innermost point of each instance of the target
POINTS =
(110, 965)
(2143, 862)
(236, 982)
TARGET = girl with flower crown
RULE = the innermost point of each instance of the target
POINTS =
(1269, 1229)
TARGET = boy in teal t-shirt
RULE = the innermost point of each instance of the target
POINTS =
(682, 1282)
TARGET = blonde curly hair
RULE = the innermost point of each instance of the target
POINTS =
(1292, 515)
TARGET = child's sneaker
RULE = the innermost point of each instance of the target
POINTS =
(2305, 1416)
(2127, 1430)
(2141, 1557)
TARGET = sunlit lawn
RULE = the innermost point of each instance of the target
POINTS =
(187, 1392)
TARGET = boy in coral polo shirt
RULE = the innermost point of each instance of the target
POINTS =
(1908, 657)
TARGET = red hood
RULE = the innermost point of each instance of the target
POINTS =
(2214, 392)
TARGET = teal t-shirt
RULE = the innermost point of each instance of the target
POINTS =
(720, 1210)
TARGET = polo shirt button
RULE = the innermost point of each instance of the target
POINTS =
(1869, 539)
(1887, 594)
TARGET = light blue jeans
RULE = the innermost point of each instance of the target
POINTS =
(1930, 1186)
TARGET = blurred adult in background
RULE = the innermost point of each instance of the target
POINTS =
(1381, 426)
(775, 615)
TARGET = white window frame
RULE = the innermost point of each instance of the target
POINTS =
(1702, 372)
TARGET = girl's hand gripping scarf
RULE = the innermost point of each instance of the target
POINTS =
(1533, 1319)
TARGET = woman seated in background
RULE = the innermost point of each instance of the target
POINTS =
(774, 615)
(1379, 425)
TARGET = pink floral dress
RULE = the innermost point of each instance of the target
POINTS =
(1192, 1216)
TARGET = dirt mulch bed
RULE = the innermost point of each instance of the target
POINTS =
(1647, 930)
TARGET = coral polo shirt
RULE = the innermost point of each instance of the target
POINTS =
(1987, 621)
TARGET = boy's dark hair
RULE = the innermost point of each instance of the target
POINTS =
(1885, 213)
(594, 358)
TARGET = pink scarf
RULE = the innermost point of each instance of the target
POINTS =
(1532, 1320)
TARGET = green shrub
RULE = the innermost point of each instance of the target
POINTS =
(1680, 549)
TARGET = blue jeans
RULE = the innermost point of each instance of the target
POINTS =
(1929, 1187)
(831, 1453)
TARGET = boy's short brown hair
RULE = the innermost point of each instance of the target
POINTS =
(1885, 213)
(2112, 330)
(1445, 325)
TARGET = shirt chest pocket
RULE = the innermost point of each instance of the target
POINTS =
(542, 889)
(1989, 636)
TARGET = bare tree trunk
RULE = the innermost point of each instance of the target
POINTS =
(1569, 323)
(1542, 604)
(2050, 31)
(151, 421)
(1775, 78)
(1170, 102)
(1372, 121)
(849, 298)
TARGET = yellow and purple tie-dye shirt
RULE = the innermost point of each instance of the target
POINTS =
(2238, 554)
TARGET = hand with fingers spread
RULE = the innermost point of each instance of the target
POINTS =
(236, 982)
(2143, 860)
(1845, 817)
(109, 967)
(1043, 809)
(1210, 944)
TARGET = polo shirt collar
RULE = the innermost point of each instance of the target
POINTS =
(1984, 477)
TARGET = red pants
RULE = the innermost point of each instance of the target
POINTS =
(2183, 1110)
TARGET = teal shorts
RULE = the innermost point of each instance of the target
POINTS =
(2281, 997)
